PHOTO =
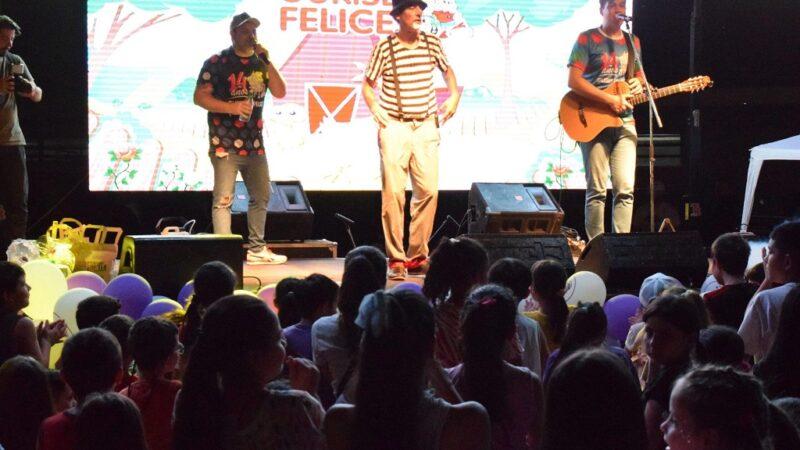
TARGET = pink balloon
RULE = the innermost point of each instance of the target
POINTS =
(268, 295)
(88, 280)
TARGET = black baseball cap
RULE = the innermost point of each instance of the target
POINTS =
(241, 19)
(8, 23)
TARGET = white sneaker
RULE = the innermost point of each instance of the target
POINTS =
(265, 256)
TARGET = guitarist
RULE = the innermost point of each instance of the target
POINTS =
(600, 57)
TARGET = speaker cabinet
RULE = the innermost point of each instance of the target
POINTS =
(513, 208)
(168, 262)
(625, 260)
(528, 248)
(289, 213)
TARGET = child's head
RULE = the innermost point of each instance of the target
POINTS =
(154, 345)
(720, 345)
(364, 273)
(586, 327)
(755, 274)
(287, 301)
(109, 421)
(91, 362)
(672, 324)
(120, 325)
(488, 323)
(729, 254)
(456, 266)
(14, 291)
(512, 273)
(655, 285)
(25, 401)
(783, 253)
(94, 310)
(581, 392)
(63, 398)
(718, 407)
(548, 279)
(318, 297)
(212, 281)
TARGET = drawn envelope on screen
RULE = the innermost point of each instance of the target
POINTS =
(326, 101)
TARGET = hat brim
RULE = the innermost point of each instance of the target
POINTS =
(397, 10)
(249, 19)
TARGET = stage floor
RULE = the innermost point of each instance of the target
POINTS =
(256, 276)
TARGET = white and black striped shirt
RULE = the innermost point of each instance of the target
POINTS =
(415, 68)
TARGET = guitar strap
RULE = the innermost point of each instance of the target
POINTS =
(630, 72)
(396, 77)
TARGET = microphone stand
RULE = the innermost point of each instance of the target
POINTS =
(653, 112)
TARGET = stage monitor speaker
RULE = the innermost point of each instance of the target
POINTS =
(528, 248)
(625, 260)
(513, 208)
(289, 213)
(168, 262)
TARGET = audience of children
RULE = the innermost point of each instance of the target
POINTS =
(382, 354)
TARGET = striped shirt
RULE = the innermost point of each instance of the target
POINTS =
(415, 72)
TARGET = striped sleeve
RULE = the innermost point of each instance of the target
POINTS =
(377, 61)
(438, 53)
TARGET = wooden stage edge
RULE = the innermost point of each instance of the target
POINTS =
(256, 276)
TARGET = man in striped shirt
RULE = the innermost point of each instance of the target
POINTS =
(408, 135)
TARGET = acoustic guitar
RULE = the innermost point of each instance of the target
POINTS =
(584, 119)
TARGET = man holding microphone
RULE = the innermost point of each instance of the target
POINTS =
(232, 86)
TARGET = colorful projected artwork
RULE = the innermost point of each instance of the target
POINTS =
(509, 56)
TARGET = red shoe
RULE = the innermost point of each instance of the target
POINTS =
(397, 270)
(418, 266)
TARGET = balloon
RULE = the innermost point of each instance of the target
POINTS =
(67, 305)
(55, 354)
(132, 291)
(161, 297)
(160, 307)
(585, 287)
(186, 291)
(88, 280)
(47, 284)
(267, 293)
(408, 285)
(619, 310)
(245, 292)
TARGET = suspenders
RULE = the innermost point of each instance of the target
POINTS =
(397, 76)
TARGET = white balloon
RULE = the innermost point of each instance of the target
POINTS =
(245, 292)
(585, 287)
(67, 306)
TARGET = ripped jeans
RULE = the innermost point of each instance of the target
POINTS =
(255, 174)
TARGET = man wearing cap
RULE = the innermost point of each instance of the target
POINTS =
(16, 82)
(408, 135)
(232, 86)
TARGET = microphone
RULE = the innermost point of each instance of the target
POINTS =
(344, 219)
(624, 17)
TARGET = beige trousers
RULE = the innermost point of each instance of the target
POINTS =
(409, 148)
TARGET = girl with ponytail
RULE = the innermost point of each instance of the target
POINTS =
(225, 403)
(511, 395)
(392, 410)
(335, 339)
(456, 266)
(548, 280)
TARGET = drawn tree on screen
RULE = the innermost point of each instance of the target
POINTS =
(507, 25)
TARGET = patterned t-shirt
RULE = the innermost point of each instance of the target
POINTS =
(235, 78)
(415, 72)
(603, 60)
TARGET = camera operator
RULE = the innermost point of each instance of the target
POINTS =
(16, 82)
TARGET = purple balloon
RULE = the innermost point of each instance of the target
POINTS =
(408, 285)
(619, 310)
(132, 291)
(88, 280)
(186, 291)
(160, 307)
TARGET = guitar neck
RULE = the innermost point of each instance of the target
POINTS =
(657, 93)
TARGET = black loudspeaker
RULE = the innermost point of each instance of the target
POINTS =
(528, 248)
(625, 260)
(289, 214)
(168, 262)
(513, 208)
